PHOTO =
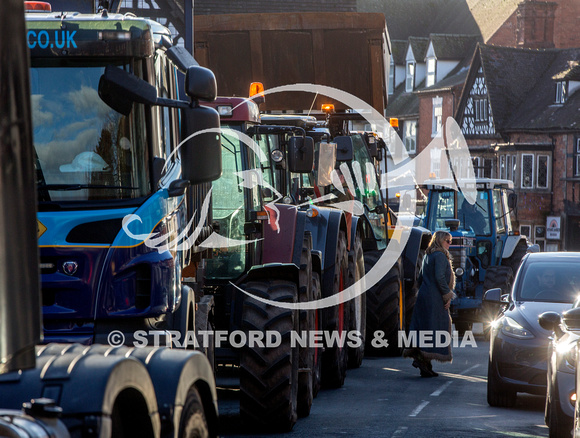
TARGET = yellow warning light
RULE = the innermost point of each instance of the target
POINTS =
(397, 195)
(394, 122)
(256, 88)
(327, 108)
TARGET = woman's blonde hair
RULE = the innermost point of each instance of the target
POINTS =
(436, 243)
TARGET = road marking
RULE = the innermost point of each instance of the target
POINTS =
(401, 431)
(418, 409)
(463, 373)
(441, 389)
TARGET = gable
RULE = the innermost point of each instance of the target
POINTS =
(477, 117)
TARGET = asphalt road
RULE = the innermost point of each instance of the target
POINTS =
(386, 397)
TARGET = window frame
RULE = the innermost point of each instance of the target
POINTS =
(413, 137)
(532, 168)
(561, 92)
(410, 76)
(547, 157)
(431, 77)
(436, 121)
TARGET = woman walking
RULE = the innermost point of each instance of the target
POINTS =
(431, 313)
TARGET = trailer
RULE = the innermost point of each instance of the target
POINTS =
(347, 51)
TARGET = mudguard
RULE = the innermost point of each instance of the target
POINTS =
(418, 241)
(510, 245)
(173, 373)
(325, 228)
(279, 235)
(86, 383)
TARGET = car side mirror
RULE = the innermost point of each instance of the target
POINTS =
(344, 148)
(493, 296)
(550, 320)
(301, 154)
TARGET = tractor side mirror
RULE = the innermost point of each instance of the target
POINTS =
(344, 148)
(301, 154)
(512, 201)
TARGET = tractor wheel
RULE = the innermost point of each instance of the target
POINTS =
(317, 366)
(193, 423)
(335, 356)
(306, 325)
(357, 307)
(516, 258)
(386, 312)
(269, 375)
(495, 276)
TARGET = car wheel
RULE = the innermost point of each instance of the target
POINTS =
(496, 395)
(559, 423)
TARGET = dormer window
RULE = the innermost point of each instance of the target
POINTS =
(431, 71)
(561, 91)
(410, 84)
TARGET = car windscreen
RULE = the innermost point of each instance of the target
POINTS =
(549, 281)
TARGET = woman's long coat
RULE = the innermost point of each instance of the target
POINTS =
(430, 314)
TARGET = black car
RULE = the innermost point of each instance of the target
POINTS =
(518, 344)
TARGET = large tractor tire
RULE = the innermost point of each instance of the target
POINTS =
(269, 375)
(335, 356)
(515, 259)
(317, 366)
(495, 276)
(385, 311)
(306, 325)
(193, 423)
(357, 306)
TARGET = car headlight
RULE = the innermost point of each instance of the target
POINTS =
(511, 327)
(568, 350)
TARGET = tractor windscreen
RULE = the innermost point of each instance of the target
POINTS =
(85, 150)
(451, 205)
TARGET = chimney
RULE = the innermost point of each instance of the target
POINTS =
(535, 24)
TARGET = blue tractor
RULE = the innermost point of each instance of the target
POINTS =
(486, 250)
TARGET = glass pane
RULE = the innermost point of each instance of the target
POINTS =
(228, 211)
(527, 171)
(543, 171)
(85, 150)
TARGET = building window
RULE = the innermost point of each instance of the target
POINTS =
(481, 114)
(561, 92)
(487, 168)
(502, 167)
(508, 167)
(392, 77)
(410, 77)
(437, 122)
(542, 172)
(431, 72)
(526, 230)
(410, 136)
(527, 171)
(476, 169)
(514, 163)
